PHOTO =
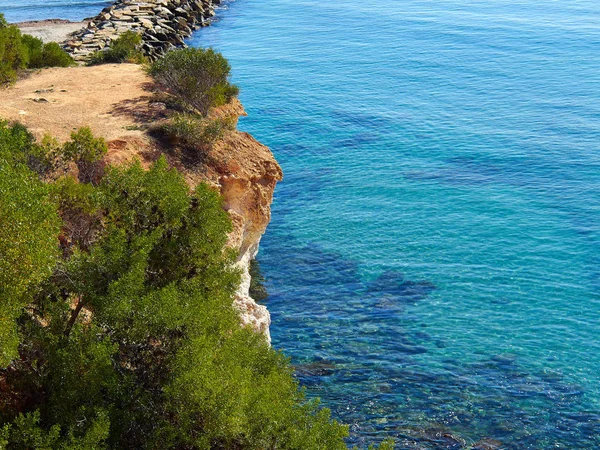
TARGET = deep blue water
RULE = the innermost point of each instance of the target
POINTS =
(433, 261)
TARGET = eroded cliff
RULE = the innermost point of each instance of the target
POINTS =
(120, 103)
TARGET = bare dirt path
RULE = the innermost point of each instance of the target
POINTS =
(111, 99)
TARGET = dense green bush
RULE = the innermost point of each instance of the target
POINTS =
(53, 56)
(194, 132)
(34, 48)
(130, 339)
(18, 52)
(29, 238)
(13, 54)
(126, 48)
(200, 77)
(41, 55)
(87, 152)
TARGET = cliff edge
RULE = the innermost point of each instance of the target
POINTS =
(121, 104)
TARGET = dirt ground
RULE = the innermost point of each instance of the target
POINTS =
(111, 99)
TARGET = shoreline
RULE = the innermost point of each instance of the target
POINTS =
(246, 184)
(163, 25)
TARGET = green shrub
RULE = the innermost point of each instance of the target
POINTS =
(126, 48)
(34, 47)
(133, 340)
(54, 56)
(46, 157)
(13, 54)
(28, 242)
(194, 132)
(200, 77)
(40, 158)
(41, 55)
(18, 52)
(87, 152)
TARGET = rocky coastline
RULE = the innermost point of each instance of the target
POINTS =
(162, 24)
(240, 168)
(118, 103)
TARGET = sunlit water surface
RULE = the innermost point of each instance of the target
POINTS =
(23, 10)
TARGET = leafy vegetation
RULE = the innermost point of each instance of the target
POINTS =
(41, 55)
(194, 80)
(195, 132)
(28, 242)
(117, 324)
(19, 52)
(118, 327)
(126, 48)
(199, 77)
(87, 152)
(13, 54)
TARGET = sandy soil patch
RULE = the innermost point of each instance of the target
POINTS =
(113, 100)
(52, 30)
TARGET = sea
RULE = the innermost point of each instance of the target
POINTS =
(433, 259)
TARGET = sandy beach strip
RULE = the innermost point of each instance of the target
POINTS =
(51, 30)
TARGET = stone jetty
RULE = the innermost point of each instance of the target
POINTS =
(163, 25)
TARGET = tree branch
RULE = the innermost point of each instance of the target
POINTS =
(73, 318)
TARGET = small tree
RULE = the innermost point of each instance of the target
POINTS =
(54, 56)
(200, 77)
(195, 133)
(13, 54)
(34, 47)
(87, 152)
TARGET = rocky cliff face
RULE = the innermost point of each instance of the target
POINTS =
(245, 172)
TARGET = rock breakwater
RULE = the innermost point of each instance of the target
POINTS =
(163, 25)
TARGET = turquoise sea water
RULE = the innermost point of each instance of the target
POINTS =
(433, 261)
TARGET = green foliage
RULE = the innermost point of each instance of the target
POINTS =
(87, 152)
(53, 56)
(13, 54)
(41, 55)
(387, 444)
(18, 52)
(126, 48)
(28, 242)
(26, 433)
(131, 339)
(84, 146)
(200, 77)
(195, 132)
(46, 157)
(34, 48)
